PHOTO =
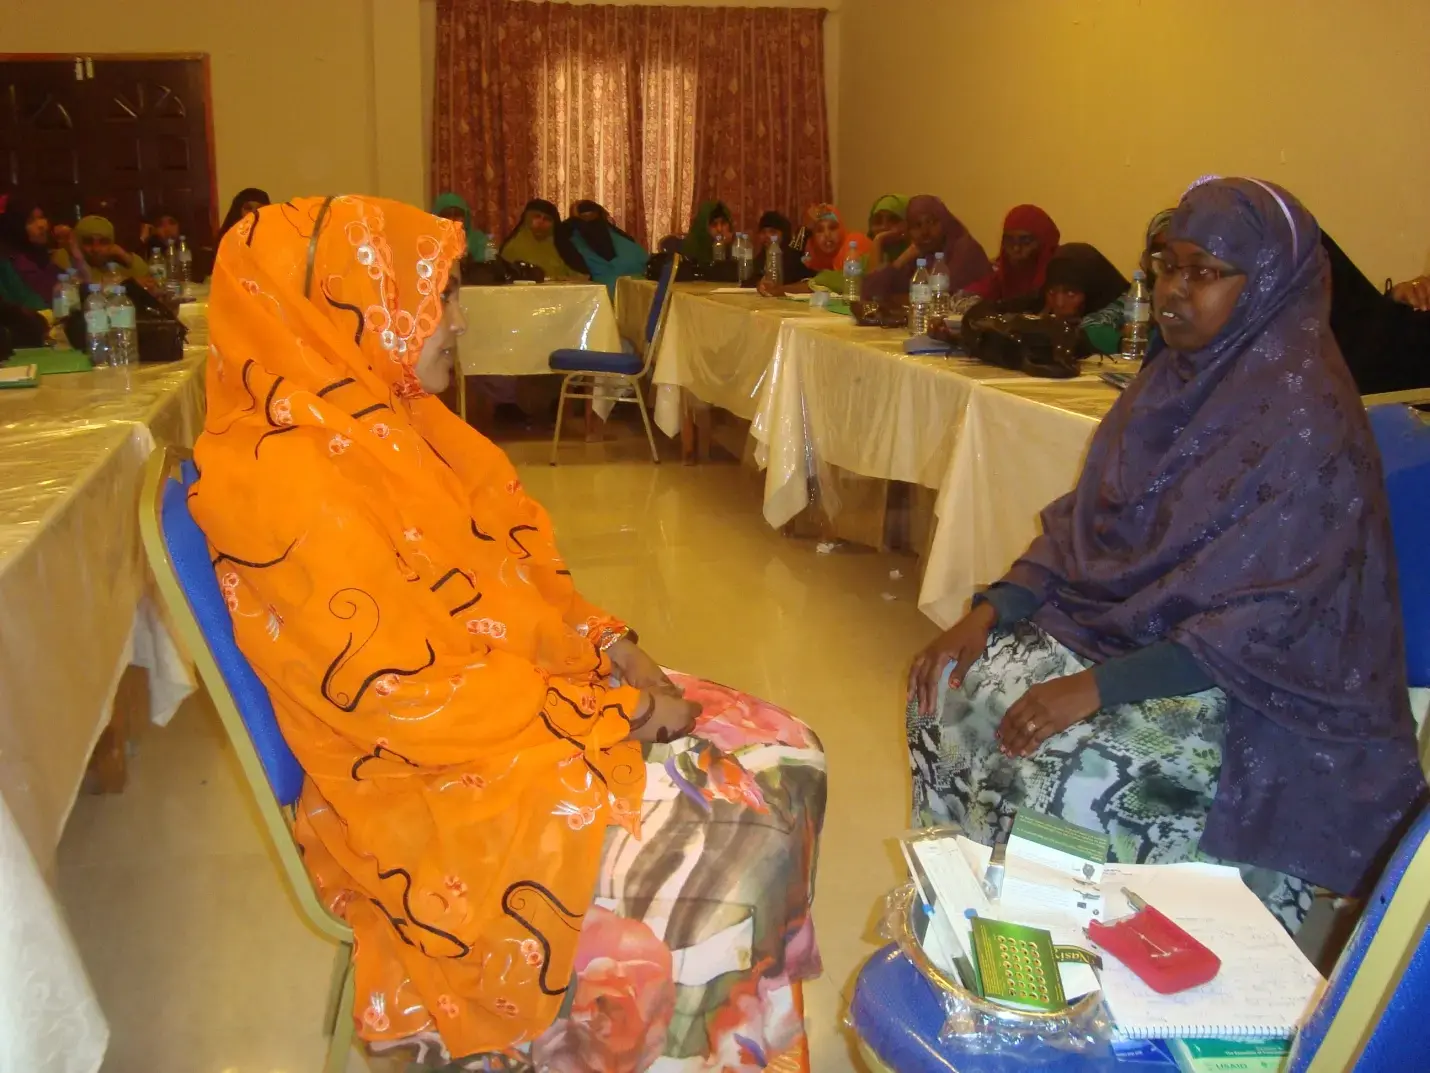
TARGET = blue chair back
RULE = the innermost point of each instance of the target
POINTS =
(1372, 1017)
(662, 289)
(1404, 441)
(194, 569)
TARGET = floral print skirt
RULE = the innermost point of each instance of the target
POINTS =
(700, 930)
(1145, 774)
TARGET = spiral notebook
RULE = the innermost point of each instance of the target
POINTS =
(1266, 988)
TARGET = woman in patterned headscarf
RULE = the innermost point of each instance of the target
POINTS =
(469, 752)
(1202, 654)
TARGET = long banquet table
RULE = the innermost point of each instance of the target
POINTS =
(512, 330)
(819, 391)
(74, 614)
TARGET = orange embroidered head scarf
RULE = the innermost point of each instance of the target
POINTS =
(432, 667)
(818, 259)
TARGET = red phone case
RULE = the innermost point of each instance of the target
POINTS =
(1160, 952)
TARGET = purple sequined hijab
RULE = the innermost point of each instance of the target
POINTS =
(1232, 501)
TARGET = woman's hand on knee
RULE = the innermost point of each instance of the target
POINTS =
(661, 717)
(962, 645)
(1046, 709)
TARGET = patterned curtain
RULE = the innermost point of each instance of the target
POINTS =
(644, 109)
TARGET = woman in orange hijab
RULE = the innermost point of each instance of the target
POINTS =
(828, 247)
(477, 804)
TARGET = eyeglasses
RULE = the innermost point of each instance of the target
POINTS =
(1192, 274)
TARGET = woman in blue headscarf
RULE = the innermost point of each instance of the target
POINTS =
(1202, 654)
(595, 247)
(454, 207)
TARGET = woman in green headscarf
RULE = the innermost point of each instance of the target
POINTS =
(534, 241)
(712, 219)
(887, 227)
(452, 206)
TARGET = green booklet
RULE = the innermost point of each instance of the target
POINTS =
(1053, 842)
(1017, 966)
(1230, 1055)
(51, 360)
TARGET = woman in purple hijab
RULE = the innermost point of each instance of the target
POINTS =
(932, 230)
(1202, 654)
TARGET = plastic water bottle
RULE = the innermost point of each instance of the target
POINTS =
(1136, 319)
(489, 252)
(184, 269)
(159, 269)
(72, 296)
(60, 298)
(939, 282)
(171, 270)
(920, 298)
(123, 333)
(96, 326)
(853, 274)
(744, 256)
(774, 261)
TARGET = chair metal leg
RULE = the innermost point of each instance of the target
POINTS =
(560, 416)
(645, 419)
(339, 1027)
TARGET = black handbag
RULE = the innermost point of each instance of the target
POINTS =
(1035, 344)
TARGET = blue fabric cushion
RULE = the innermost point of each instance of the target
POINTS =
(189, 552)
(595, 361)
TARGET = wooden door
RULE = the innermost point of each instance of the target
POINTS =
(148, 147)
(42, 115)
(129, 137)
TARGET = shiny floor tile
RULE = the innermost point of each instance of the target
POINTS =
(198, 955)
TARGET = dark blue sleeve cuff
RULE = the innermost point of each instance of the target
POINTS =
(1163, 669)
(1012, 602)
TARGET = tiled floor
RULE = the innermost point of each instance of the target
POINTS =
(200, 960)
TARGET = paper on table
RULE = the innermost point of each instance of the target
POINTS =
(731, 290)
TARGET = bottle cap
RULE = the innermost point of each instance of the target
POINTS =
(938, 256)
(1139, 274)
(853, 245)
(923, 262)
(94, 288)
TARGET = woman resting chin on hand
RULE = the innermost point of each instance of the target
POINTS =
(1202, 655)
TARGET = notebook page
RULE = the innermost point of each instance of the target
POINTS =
(1266, 987)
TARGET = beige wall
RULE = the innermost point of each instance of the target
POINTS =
(303, 103)
(1103, 112)
(833, 36)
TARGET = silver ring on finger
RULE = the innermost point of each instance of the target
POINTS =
(1032, 727)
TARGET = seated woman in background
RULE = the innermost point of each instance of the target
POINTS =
(888, 227)
(27, 272)
(593, 246)
(1030, 238)
(477, 805)
(712, 221)
(932, 230)
(1202, 654)
(249, 199)
(93, 237)
(534, 241)
(1082, 284)
(826, 250)
(1385, 338)
(454, 207)
(155, 237)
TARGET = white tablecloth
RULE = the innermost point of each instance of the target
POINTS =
(512, 330)
(1021, 447)
(718, 346)
(74, 614)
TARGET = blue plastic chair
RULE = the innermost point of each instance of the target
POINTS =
(1403, 437)
(620, 373)
(179, 557)
(1370, 1020)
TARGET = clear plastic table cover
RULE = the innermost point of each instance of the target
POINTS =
(719, 346)
(1022, 446)
(848, 396)
(512, 330)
